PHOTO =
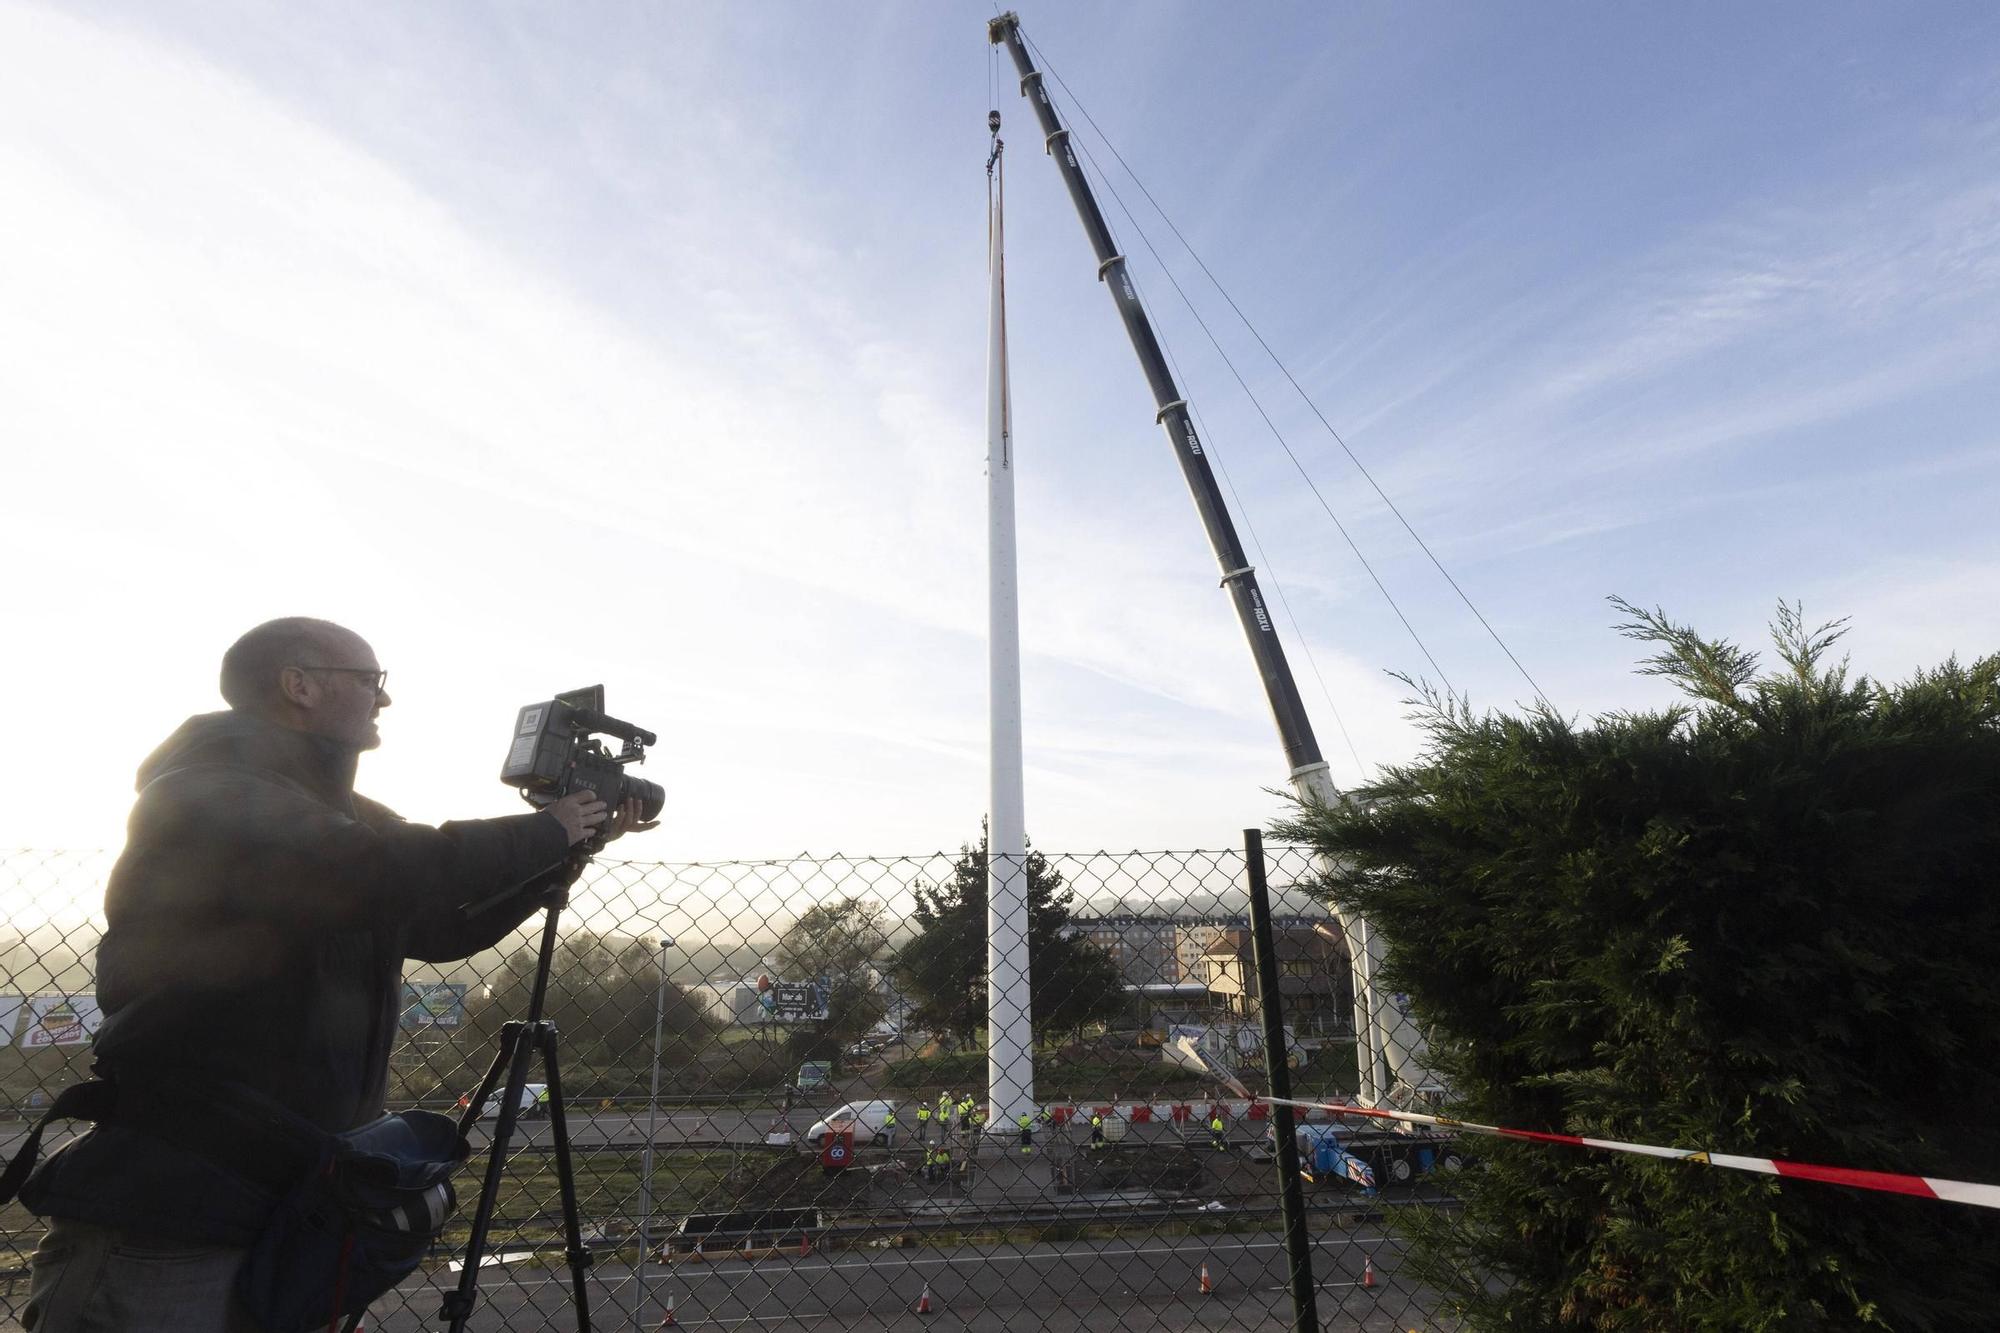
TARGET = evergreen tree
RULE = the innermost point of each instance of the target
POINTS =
(1071, 982)
(835, 944)
(1761, 922)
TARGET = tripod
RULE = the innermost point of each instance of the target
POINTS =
(519, 1040)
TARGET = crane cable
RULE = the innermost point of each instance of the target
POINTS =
(1264, 563)
(1255, 402)
(1383, 495)
(1352, 545)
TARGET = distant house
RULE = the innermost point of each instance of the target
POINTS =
(1142, 946)
(1313, 975)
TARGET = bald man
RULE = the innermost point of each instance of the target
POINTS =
(256, 927)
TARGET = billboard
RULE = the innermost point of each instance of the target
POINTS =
(433, 1004)
(61, 1020)
(792, 1001)
(10, 1017)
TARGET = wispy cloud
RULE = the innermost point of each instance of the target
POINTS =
(247, 336)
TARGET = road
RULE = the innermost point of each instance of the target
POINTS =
(1077, 1287)
(587, 1129)
(626, 1127)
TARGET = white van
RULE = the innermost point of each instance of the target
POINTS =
(534, 1102)
(865, 1119)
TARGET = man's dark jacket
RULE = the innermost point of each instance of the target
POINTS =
(256, 927)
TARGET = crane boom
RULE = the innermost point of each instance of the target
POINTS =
(1388, 1046)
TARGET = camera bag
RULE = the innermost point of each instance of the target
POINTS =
(356, 1224)
(353, 1214)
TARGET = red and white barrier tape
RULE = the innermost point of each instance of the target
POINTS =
(1888, 1182)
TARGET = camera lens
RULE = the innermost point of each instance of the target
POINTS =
(651, 796)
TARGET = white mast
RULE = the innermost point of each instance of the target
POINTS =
(1010, 1071)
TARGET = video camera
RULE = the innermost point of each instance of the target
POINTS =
(556, 752)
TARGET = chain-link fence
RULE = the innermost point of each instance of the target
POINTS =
(775, 1082)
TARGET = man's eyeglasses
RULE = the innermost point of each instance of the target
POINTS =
(378, 680)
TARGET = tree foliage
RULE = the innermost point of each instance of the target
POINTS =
(603, 993)
(1763, 922)
(1071, 981)
(837, 943)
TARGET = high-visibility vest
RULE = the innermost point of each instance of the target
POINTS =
(1097, 1122)
(923, 1113)
(1025, 1121)
(1215, 1126)
(888, 1120)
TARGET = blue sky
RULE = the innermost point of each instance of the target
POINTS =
(644, 343)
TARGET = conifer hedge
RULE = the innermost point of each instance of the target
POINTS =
(1766, 921)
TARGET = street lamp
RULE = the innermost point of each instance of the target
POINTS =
(652, 1128)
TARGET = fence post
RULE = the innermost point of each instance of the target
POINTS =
(1291, 1200)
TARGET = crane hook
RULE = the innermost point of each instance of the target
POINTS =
(993, 121)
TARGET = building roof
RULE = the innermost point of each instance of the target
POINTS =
(1291, 944)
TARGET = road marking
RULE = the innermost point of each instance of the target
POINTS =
(732, 1267)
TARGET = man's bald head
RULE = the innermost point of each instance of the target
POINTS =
(250, 668)
(309, 675)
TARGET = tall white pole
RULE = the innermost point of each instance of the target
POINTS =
(652, 1132)
(1010, 1071)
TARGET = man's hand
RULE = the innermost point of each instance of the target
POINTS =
(629, 817)
(579, 813)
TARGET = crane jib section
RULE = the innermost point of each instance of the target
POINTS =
(1389, 1051)
(1294, 728)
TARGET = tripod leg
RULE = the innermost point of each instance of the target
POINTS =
(510, 1033)
(579, 1257)
(515, 1048)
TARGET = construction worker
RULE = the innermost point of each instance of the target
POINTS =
(889, 1130)
(1218, 1131)
(978, 1120)
(1096, 1131)
(965, 1110)
(1027, 1124)
(944, 1164)
(924, 1126)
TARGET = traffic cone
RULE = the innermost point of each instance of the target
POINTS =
(924, 1301)
(668, 1322)
(1207, 1287)
(805, 1245)
(1367, 1270)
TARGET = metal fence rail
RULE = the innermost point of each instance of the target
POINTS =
(717, 1018)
